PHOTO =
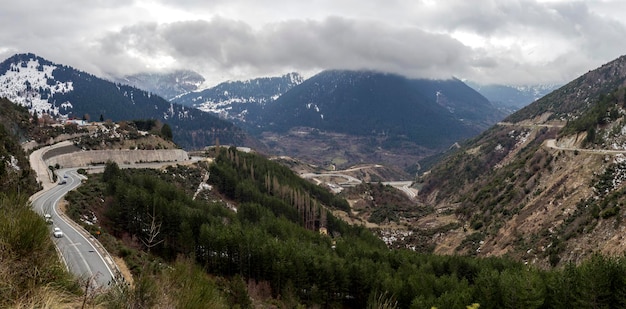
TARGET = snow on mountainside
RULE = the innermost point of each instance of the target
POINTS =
(231, 99)
(168, 85)
(31, 83)
(58, 90)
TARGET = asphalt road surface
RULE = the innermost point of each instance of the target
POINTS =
(78, 249)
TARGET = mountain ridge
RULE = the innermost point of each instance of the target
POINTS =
(45, 87)
(232, 99)
(167, 85)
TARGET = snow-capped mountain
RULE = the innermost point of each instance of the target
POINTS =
(167, 85)
(31, 83)
(513, 97)
(57, 90)
(232, 99)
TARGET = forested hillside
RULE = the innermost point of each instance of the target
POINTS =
(16, 175)
(272, 242)
(431, 113)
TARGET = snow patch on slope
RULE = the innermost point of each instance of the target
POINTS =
(30, 84)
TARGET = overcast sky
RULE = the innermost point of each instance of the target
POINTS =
(488, 41)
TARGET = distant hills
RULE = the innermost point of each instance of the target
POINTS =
(512, 98)
(46, 87)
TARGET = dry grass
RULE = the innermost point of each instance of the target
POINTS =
(32, 275)
(121, 265)
(48, 297)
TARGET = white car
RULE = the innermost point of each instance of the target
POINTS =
(48, 218)
(57, 232)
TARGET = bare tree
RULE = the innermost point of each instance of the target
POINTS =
(152, 230)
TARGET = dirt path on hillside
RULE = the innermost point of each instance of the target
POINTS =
(551, 143)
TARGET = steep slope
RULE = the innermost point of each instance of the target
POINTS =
(232, 99)
(45, 87)
(371, 117)
(167, 85)
(546, 185)
(16, 175)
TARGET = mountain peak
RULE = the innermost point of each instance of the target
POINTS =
(363, 116)
(168, 85)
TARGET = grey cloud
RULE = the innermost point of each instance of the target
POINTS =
(332, 43)
(217, 40)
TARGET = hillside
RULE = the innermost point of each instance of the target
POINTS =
(344, 118)
(545, 186)
(16, 124)
(47, 88)
(573, 98)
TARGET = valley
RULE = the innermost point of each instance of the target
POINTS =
(330, 150)
(333, 159)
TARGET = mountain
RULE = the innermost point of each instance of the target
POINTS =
(167, 85)
(546, 185)
(512, 98)
(45, 87)
(348, 117)
(232, 99)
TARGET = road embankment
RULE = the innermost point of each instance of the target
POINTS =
(125, 156)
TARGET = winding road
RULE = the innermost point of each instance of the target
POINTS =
(350, 181)
(552, 143)
(82, 254)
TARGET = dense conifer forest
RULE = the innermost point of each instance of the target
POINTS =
(273, 239)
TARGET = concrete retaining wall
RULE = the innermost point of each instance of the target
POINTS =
(125, 156)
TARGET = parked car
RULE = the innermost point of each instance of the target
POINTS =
(57, 232)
